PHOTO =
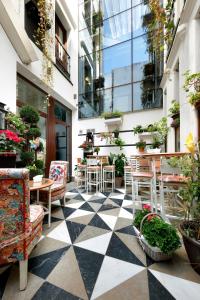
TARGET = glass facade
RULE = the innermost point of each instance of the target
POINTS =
(117, 68)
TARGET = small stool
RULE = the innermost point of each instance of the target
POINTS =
(93, 177)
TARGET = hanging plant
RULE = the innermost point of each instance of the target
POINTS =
(159, 25)
(44, 39)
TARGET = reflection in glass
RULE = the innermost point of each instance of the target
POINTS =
(138, 15)
(146, 98)
(29, 94)
(140, 57)
(111, 8)
(116, 62)
(122, 98)
(61, 142)
(117, 29)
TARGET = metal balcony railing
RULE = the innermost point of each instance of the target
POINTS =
(62, 57)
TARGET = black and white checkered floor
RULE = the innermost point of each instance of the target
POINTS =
(90, 252)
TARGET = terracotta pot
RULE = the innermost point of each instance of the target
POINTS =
(141, 149)
(118, 182)
(192, 246)
(8, 159)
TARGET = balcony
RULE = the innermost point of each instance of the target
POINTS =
(62, 58)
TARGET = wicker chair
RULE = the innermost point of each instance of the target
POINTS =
(20, 222)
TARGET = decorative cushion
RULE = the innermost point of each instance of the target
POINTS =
(36, 214)
(58, 171)
(142, 174)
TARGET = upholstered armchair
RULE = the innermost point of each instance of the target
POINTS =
(20, 222)
(57, 172)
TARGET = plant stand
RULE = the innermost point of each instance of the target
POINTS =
(8, 159)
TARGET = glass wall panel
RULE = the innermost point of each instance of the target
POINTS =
(122, 98)
(116, 58)
(110, 8)
(116, 29)
(29, 94)
(141, 57)
(116, 65)
(138, 19)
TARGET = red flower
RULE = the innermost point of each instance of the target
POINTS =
(147, 207)
(149, 218)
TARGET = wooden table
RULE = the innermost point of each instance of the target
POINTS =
(37, 186)
(153, 157)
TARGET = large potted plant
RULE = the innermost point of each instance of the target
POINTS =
(119, 161)
(190, 227)
(157, 237)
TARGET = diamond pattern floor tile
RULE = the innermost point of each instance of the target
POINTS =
(91, 252)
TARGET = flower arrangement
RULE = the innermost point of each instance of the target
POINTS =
(9, 140)
(157, 232)
(86, 146)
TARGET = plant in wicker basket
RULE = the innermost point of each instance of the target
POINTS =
(158, 238)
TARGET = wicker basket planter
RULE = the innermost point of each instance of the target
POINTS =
(153, 252)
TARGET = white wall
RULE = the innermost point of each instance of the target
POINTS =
(130, 120)
(187, 54)
(8, 59)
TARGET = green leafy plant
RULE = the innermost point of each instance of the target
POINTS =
(140, 145)
(96, 150)
(156, 231)
(156, 142)
(120, 161)
(107, 136)
(119, 142)
(33, 171)
(192, 87)
(39, 164)
(29, 114)
(9, 140)
(174, 108)
(16, 123)
(111, 115)
(27, 158)
(138, 129)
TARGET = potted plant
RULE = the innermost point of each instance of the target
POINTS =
(116, 132)
(107, 136)
(158, 238)
(190, 227)
(138, 129)
(149, 69)
(96, 150)
(111, 115)
(119, 142)
(9, 143)
(155, 145)
(119, 161)
(141, 145)
(192, 86)
(174, 109)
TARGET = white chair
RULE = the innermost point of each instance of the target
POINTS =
(81, 176)
(130, 164)
(170, 181)
(142, 176)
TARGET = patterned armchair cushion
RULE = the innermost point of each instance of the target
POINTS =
(58, 171)
(17, 232)
(14, 203)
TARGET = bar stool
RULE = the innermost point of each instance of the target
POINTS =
(130, 163)
(170, 181)
(93, 171)
(109, 176)
(142, 176)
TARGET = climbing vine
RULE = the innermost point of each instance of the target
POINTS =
(44, 39)
(160, 25)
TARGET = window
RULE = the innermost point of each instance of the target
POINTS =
(62, 57)
(31, 19)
